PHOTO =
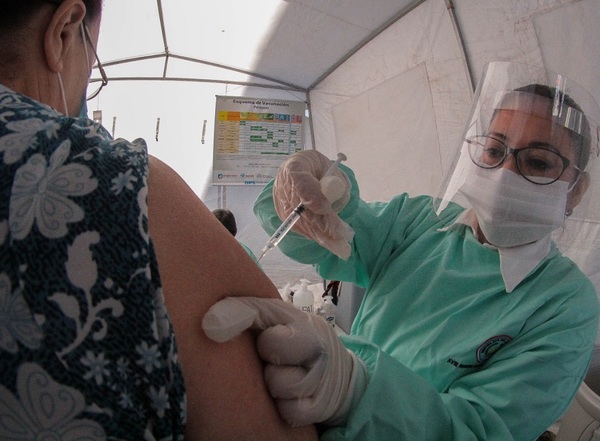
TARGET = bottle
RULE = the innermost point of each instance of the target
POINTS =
(287, 293)
(327, 311)
(303, 298)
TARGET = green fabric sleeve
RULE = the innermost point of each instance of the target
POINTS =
(525, 387)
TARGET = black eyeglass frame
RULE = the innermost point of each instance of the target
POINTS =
(103, 76)
(515, 152)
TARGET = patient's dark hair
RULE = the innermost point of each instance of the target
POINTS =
(14, 13)
(14, 16)
(227, 218)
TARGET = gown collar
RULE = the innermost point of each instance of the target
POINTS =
(515, 262)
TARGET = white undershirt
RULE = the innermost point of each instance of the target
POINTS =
(515, 262)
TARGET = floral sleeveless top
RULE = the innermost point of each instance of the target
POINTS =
(87, 350)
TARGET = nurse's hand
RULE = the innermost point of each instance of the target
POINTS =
(299, 181)
(309, 372)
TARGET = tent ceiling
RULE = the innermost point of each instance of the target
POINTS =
(273, 43)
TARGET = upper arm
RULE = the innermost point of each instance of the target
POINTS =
(201, 263)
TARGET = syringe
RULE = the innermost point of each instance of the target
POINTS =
(293, 217)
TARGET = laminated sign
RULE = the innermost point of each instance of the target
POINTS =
(253, 136)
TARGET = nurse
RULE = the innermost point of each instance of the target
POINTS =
(474, 325)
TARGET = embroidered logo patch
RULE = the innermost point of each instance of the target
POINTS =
(490, 346)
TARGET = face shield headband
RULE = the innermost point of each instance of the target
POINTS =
(559, 112)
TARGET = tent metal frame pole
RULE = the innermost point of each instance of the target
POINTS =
(161, 17)
(366, 41)
(457, 30)
(278, 83)
(205, 80)
(310, 122)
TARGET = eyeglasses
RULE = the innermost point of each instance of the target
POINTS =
(539, 165)
(104, 78)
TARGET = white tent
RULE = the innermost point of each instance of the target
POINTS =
(387, 82)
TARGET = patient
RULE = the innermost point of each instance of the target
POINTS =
(86, 222)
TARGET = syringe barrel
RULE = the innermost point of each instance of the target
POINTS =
(287, 225)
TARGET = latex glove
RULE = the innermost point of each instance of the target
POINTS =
(298, 181)
(309, 372)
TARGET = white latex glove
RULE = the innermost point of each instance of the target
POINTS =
(298, 181)
(309, 372)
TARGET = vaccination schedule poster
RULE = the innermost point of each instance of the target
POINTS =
(253, 136)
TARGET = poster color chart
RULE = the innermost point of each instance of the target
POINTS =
(253, 136)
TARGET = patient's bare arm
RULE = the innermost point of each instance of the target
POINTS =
(200, 263)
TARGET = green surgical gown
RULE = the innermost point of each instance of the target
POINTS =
(451, 355)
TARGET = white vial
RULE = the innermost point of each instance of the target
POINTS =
(303, 299)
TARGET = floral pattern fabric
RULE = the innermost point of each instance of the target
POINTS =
(87, 350)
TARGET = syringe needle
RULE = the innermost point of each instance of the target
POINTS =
(263, 253)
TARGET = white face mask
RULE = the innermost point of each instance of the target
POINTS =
(512, 211)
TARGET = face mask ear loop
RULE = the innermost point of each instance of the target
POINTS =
(62, 93)
(87, 55)
(575, 181)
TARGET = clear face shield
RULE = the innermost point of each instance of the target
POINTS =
(528, 162)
